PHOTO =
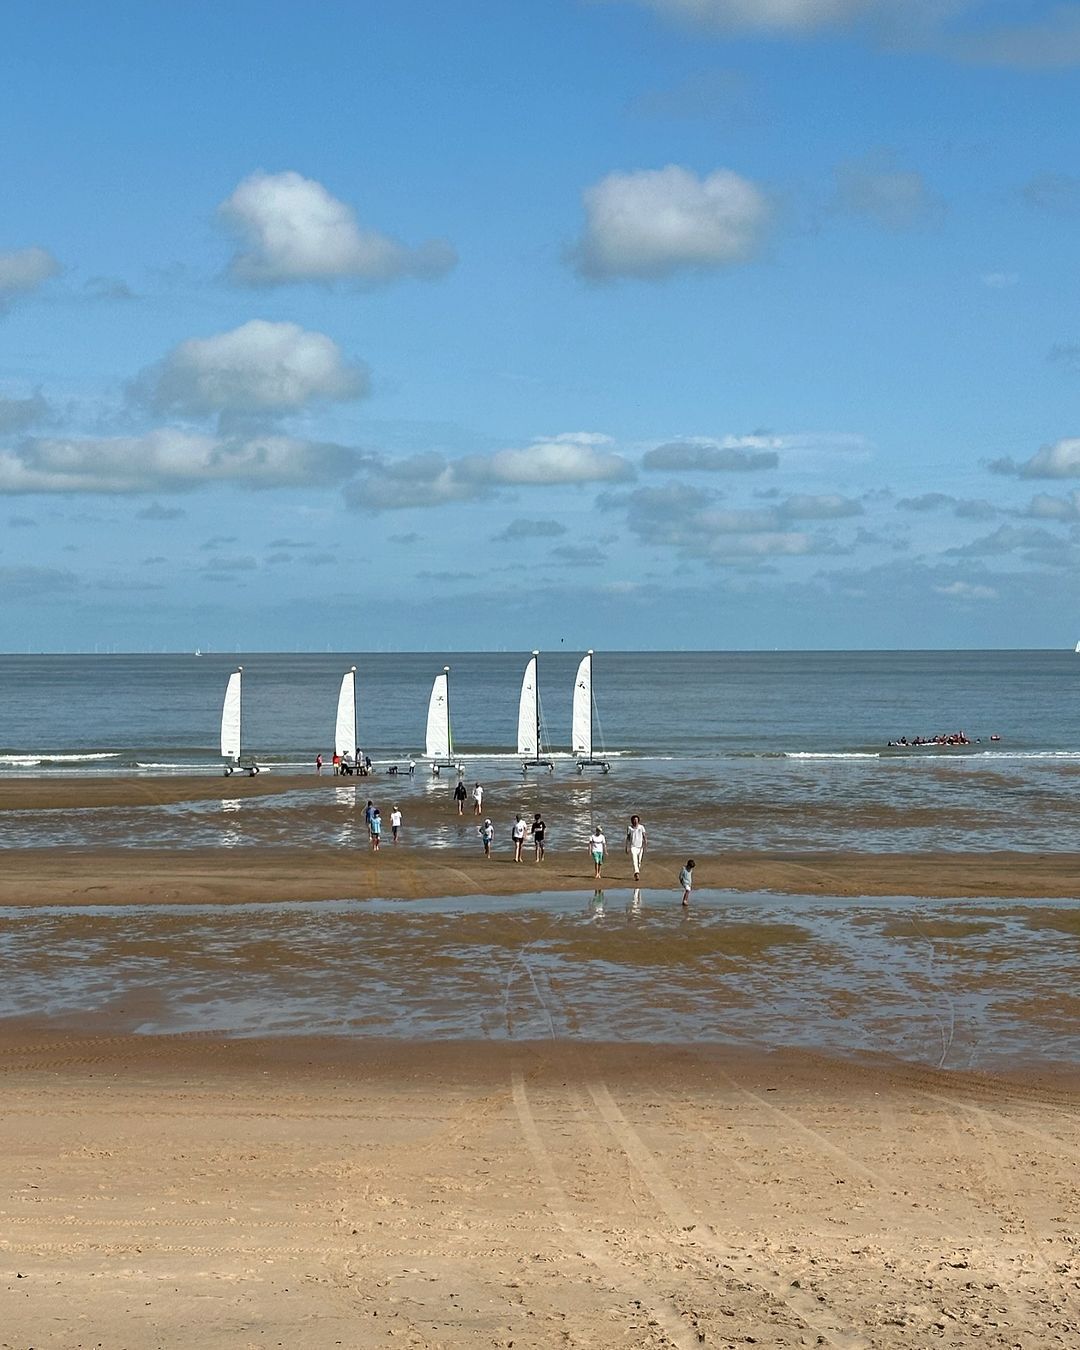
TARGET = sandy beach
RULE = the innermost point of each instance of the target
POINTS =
(168, 1190)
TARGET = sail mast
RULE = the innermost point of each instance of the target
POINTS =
(449, 733)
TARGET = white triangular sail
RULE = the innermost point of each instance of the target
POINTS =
(529, 713)
(581, 725)
(438, 718)
(230, 718)
(345, 726)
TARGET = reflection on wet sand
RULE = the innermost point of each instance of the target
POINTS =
(882, 977)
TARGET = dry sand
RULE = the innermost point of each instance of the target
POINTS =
(176, 1193)
(182, 1191)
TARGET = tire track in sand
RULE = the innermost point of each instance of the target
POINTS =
(808, 1310)
(589, 1246)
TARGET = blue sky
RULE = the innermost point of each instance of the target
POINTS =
(622, 323)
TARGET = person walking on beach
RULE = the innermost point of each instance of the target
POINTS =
(369, 811)
(487, 834)
(686, 880)
(517, 834)
(318, 763)
(376, 830)
(598, 848)
(460, 794)
(637, 841)
(395, 822)
(538, 830)
(478, 799)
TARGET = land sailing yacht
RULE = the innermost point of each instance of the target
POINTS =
(439, 747)
(345, 725)
(528, 739)
(582, 721)
(231, 721)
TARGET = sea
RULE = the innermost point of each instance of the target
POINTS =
(768, 749)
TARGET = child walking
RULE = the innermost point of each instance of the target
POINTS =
(686, 880)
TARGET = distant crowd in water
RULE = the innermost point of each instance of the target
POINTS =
(942, 738)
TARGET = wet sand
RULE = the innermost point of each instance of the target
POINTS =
(113, 871)
(171, 1190)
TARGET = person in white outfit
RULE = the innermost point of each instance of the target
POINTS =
(478, 799)
(637, 841)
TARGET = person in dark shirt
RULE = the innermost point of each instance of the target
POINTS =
(460, 793)
(539, 830)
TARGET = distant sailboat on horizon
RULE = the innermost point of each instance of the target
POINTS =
(582, 720)
(528, 739)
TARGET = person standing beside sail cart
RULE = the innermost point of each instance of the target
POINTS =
(637, 841)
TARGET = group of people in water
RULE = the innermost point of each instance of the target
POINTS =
(942, 738)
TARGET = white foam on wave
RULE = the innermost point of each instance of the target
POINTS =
(44, 758)
(831, 754)
(1067, 755)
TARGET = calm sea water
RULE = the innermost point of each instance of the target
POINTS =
(767, 750)
(158, 712)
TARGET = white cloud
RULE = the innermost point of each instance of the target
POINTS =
(880, 191)
(732, 454)
(170, 460)
(573, 457)
(23, 270)
(1000, 281)
(824, 506)
(1044, 507)
(433, 480)
(291, 229)
(258, 367)
(652, 222)
(795, 16)
(1059, 460)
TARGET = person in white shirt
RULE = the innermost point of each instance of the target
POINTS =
(478, 799)
(487, 834)
(637, 841)
(517, 834)
(395, 823)
(686, 880)
(598, 848)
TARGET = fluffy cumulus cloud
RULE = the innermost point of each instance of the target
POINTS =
(1044, 507)
(23, 270)
(290, 228)
(170, 460)
(880, 191)
(653, 222)
(688, 520)
(732, 454)
(575, 457)
(260, 367)
(1059, 460)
